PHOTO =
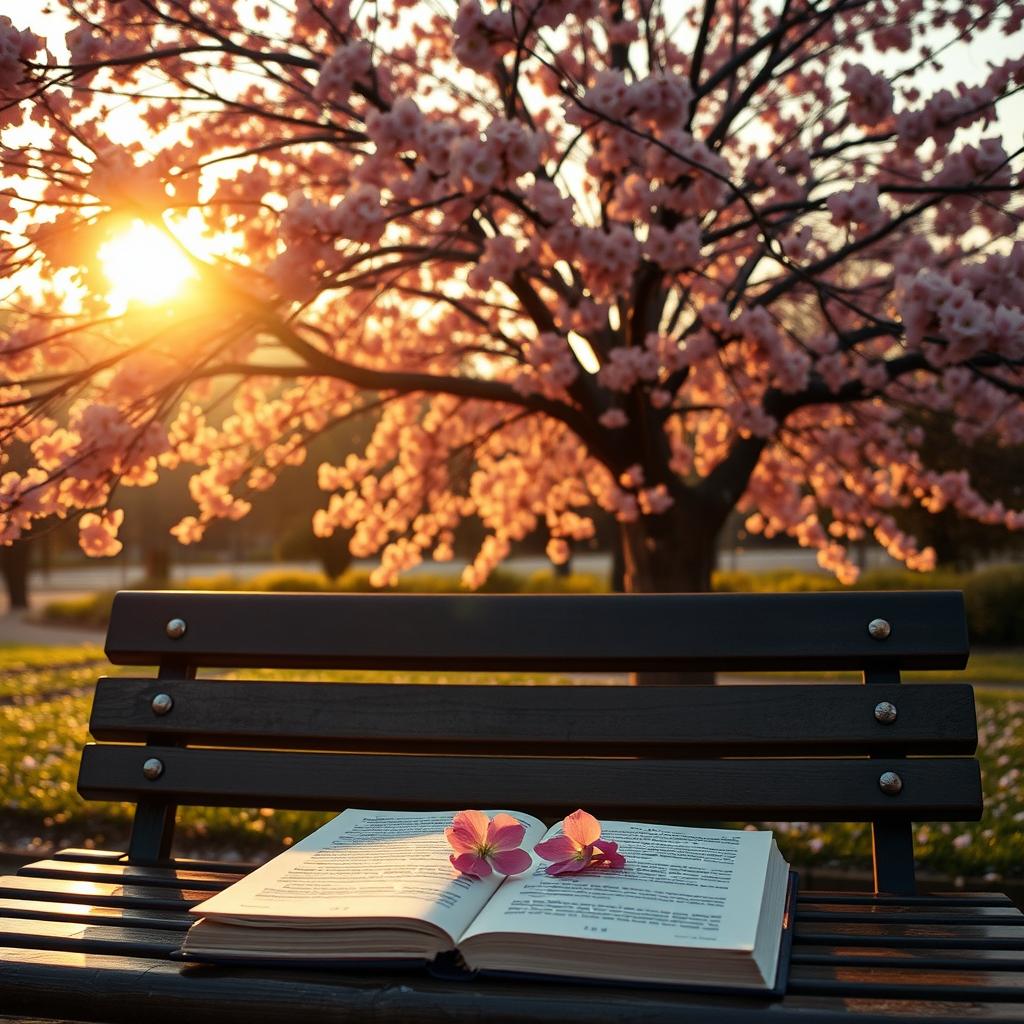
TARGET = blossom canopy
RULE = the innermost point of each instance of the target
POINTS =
(575, 258)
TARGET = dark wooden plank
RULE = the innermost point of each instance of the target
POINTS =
(913, 915)
(911, 981)
(593, 632)
(932, 959)
(118, 990)
(129, 873)
(820, 789)
(75, 937)
(100, 893)
(81, 854)
(974, 899)
(88, 914)
(84, 856)
(658, 721)
(932, 936)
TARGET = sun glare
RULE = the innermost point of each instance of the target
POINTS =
(143, 265)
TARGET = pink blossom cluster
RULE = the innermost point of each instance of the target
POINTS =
(857, 208)
(553, 367)
(780, 175)
(959, 320)
(675, 249)
(348, 66)
(693, 179)
(870, 97)
(507, 151)
(942, 115)
(17, 46)
(499, 261)
(480, 38)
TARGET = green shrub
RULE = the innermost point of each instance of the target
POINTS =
(995, 604)
(286, 581)
(546, 582)
(222, 581)
(904, 579)
(774, 581)
(90, 610)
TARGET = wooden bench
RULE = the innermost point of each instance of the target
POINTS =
(87, 934)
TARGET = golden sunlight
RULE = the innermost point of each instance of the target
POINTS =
(143, 265)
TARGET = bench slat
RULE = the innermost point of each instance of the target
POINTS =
(88, 938)
(944, 966)
(101, 893)
(930, 936)
(591, 632)
(912, 982)
(135, 874)
(933, 899)
(85, 913)
(883, 956)
(820, 789)
(657, 721)
(118, 989)
(915, 915)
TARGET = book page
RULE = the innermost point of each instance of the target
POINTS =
(680, 886)
(363, 865)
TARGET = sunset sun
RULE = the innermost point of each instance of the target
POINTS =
(143, 265)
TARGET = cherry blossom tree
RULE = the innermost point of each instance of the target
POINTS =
(662, 260)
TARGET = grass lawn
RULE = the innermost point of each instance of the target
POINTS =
(987, 665)
(45, 696)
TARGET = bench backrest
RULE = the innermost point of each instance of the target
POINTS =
(738, 753)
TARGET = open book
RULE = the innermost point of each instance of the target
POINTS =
(696, 907)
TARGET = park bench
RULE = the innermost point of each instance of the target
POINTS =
(87, 935)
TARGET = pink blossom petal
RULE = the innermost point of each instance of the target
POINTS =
(470, 864)
(457, 841)
(564, 867)
(607, 854)
(582, 828)
(505, 833)
(511, 862)
(557, 848)
(467, 831)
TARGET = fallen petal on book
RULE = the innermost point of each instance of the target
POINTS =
(579, 847)
(483, 844)
(470, 864)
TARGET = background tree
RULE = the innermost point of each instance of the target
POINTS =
(662, 260)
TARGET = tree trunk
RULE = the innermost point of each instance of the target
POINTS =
(14, 565)
(668, 554)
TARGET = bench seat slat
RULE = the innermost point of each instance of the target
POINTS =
(935, 936)
(101, 893)
(265, 995)
(931, 959)
(905, 982)
(664, 721)
(930, 915)
(972, 899)
(136, 874)
(74, 936)
(819, 790)
(590, 632)
(86, 913)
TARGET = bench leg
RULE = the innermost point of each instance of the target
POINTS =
(892, 849)
(152, 832)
